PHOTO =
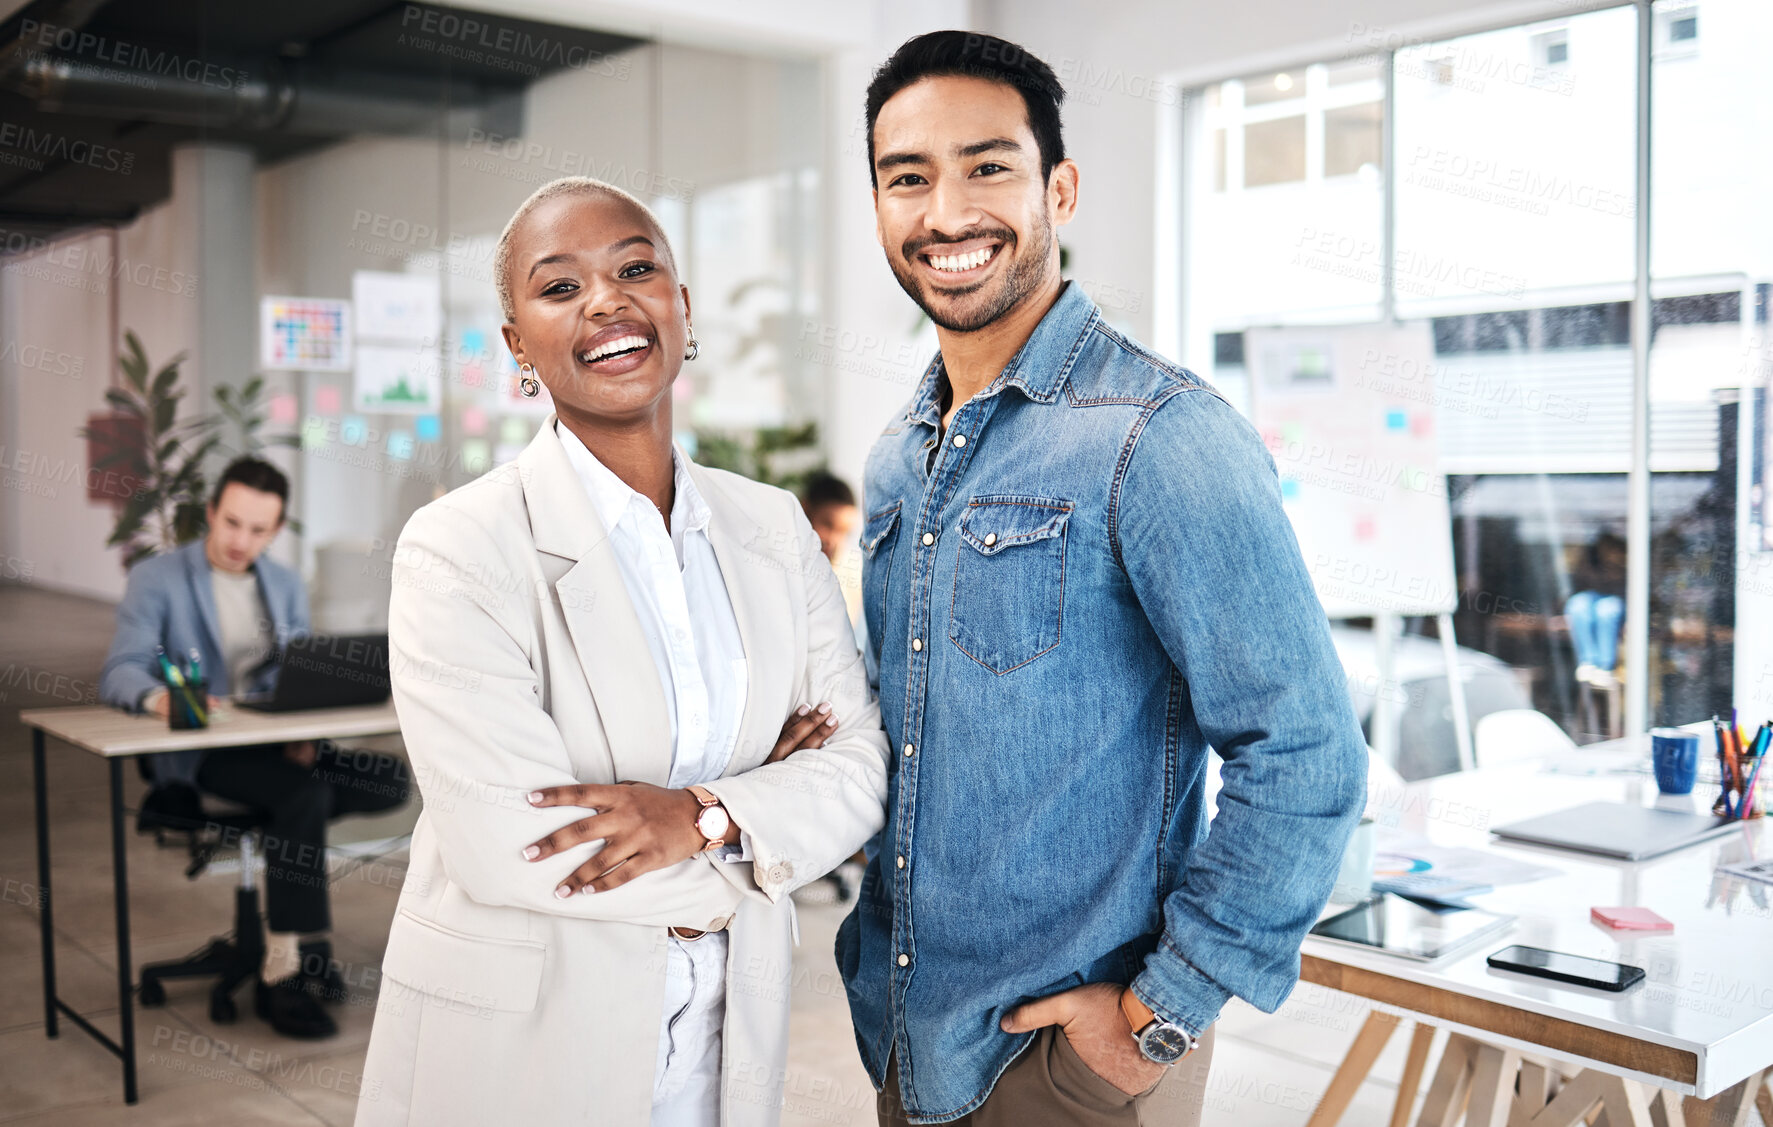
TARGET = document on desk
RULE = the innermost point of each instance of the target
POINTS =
(1407, 854)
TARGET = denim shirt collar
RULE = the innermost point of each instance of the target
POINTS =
(1040, 366)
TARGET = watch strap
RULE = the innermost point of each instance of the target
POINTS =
(1138, 1014)
(702, 795)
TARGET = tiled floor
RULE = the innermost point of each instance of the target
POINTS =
(1268, 1072)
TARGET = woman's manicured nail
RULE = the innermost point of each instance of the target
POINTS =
(563, 892)
(535, 796)
(531, 852)
(802, 710)
(586, 890)
(831, 723)
(826, 707)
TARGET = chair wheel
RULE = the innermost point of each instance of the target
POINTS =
(152, 993)
(222, 1010)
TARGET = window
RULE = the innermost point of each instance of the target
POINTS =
(1514, 224)
(1552, 48)
(1274, 151)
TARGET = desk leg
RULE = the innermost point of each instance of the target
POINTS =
(1368, 1044)
(40, 783)
(125, 972)
(1729, 1108)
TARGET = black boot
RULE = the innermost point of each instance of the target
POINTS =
(320, 975)
(291, 1010)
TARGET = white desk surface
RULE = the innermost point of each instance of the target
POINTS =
(1708, 985)
(108, 731)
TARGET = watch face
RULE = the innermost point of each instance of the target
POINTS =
(1164, 1043)
(712, 822)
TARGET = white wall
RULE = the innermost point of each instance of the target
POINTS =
(54, 314)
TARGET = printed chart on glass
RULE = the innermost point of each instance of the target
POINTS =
(304, 334)
(399, 322)
(1348, 414)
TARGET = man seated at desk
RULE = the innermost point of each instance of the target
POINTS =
(220, 597)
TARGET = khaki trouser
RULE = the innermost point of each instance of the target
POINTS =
(1049, 1085)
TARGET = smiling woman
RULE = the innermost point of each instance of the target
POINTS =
(620, 809)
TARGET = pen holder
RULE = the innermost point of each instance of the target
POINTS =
(1748, 795)
(187, 705)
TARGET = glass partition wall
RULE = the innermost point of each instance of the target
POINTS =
(1485, 187)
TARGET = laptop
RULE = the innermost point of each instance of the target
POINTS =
(1617, 829)
(326, 671)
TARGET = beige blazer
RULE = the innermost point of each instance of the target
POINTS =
(517, 663)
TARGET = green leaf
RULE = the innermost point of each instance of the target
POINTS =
(124, 402)
(135, 361)
(165, 412)
(251, 390)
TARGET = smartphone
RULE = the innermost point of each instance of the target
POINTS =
(1573, 969)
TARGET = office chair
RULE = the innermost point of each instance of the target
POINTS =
(231, 959)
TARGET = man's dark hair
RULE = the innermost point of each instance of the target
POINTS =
(823, 489)
(969, 54)
(254, 473)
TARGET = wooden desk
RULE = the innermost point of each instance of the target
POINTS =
(116, 736)
(1700, 1025)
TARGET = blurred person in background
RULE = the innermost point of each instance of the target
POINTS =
(666, 729)
(830, 506)
(221, 599)
(1079, 581)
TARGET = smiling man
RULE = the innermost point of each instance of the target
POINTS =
(1077, 579)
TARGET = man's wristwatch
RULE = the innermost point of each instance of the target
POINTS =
(712, 822)
(1161, 1042)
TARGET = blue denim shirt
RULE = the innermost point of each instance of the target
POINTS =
(1071, 595)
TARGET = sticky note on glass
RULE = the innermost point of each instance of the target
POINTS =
(283, 408)
(326, 399)
(476, 455)
(473, 420)
(428, 427)
(1630, 919)
(399, 445)
(1396, 419)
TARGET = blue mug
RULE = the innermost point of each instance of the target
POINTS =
(1674, 754)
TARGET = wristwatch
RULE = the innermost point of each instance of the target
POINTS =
(1161, 1042)
(712, 822)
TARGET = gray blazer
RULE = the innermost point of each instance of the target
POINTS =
(170, 602)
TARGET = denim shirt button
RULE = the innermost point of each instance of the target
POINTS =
(960, 440)
(901, 860)
(917, 645)
(907, 750)
(929, 538)
(990, 539)
(904, 960)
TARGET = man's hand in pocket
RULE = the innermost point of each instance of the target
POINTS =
(1093, 1022)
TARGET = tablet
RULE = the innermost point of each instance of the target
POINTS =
(1404, 928)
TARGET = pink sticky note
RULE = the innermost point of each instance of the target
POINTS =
(283, 408)
(473, 420)
(1364, 528)
(1630, 919)
(326, 399)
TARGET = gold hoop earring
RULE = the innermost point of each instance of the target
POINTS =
(691, 349)
(527, 385)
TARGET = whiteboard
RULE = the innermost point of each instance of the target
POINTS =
(1348, 414)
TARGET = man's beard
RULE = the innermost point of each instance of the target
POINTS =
(1022, 278)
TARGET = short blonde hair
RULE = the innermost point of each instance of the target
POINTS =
(553, 189)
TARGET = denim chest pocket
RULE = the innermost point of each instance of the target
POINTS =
(879, 534)
(1009, 580)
